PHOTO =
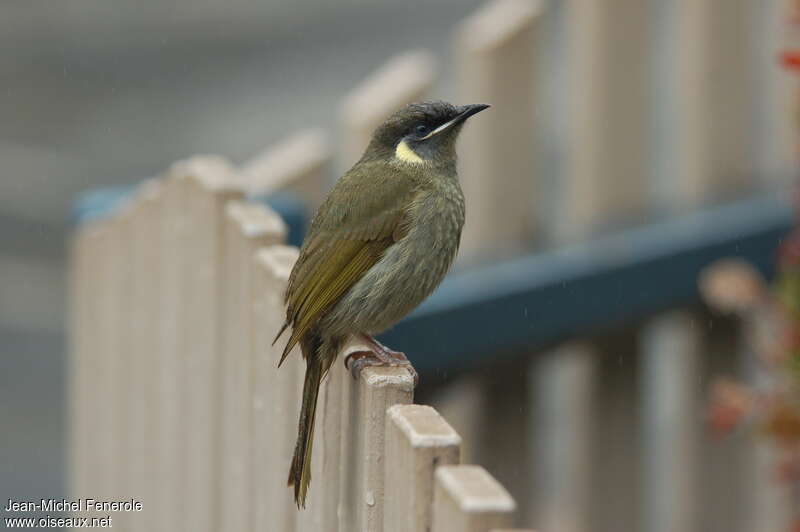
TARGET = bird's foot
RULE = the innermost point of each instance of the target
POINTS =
(358, 360)
(379, 355)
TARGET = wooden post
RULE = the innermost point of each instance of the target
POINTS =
(300, 163)
(119, 351)
(104, 374)
(114, 391)
(87, 272)
(495, 60)
(607, 165)
(363, 427)
(417, 440)
(326, 509)
(778, 132)
(713, 91)
(209, 186)
(404, 79)
(564, 381)
(234, 466)
(247, 227)
(150, 230)
(124, 352)
(324, 506)
(78, 383)
(142, 362)
(171, 342)
(671, 347)
(276, 395)
(468, 499)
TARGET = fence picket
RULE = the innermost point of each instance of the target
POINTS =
(173, 238)
(495, 60)
(154, 229)
(364, 431)
(714, 88)
(121, 354)
(778, 153)
(210, 184)
(77, 368)
(323, 504)
(247, 227)
(417, 440)
(564, 381)
(276, 393)
(234, 419)
(468, 499)
(106, 361)
(145, 228)
(607, 167)
(85, 401)
(671, 347)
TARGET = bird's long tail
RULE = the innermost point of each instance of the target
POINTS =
(318, 357)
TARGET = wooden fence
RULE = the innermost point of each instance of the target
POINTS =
(178, 401)
(604, 114)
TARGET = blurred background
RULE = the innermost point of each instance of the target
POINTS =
(633, 142)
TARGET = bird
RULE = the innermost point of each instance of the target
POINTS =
(380, 243)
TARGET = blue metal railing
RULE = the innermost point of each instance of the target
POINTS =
(537, 300)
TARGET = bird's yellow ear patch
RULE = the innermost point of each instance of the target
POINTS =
(406, 154)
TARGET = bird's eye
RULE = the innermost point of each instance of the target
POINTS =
(422, 130)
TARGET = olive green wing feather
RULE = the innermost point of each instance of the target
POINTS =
(345, 240)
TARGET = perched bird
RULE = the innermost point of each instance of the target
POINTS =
(380, 243)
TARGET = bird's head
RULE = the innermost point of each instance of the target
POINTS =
(422, 133)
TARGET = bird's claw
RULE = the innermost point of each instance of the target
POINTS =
(358, 360)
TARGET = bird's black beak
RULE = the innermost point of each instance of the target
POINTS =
(469, 110)
(465, 111)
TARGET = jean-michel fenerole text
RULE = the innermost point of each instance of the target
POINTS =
(77, 505)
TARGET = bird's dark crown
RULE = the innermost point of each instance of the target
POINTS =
(421, 133)
(405, 121)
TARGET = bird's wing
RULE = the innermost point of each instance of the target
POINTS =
(344, 241)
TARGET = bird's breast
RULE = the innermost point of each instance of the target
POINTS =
(411, 269)
(436, 218)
